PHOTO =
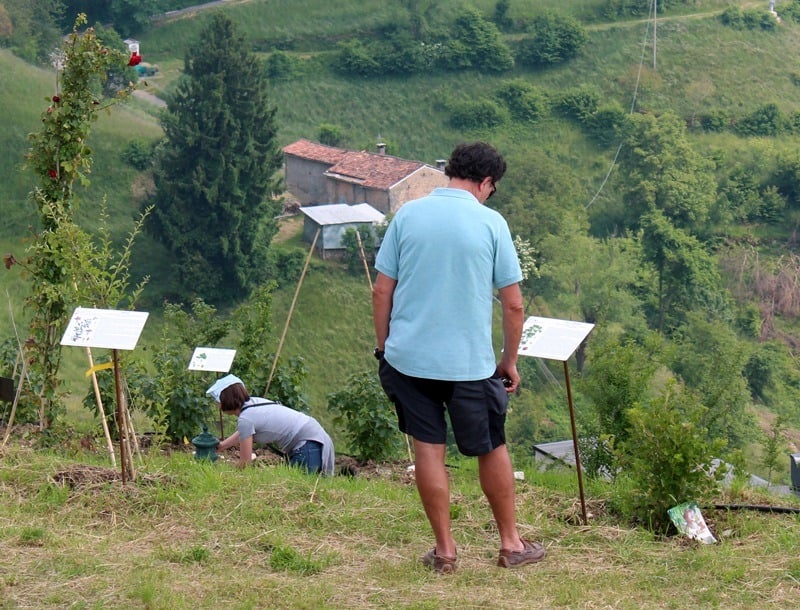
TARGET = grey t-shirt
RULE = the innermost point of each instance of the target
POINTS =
(283, 427)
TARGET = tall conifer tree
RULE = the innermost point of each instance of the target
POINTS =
(215, 176)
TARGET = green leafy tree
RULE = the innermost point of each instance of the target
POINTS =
(353, 258)
(525, 102)
(710, 359)
(215, 176)
(281, 66)
(252, 321)
(173, 392)
(60, 156)
(618, 380)
(476, 43)
(667, 458)
(774, 446)
(32, 29)
(686, 274)
(554, 39)
(330, 134)
(368, 417)
(501, 17)
(662, 171)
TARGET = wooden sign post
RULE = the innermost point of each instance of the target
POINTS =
(557, 340)
(114, 330)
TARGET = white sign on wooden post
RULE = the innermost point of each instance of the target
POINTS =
(107, 328)
(114, 330)
(552, 339)
(557, 340)
(212, 359)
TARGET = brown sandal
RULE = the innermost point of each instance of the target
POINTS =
(531, 553)
(439, 563)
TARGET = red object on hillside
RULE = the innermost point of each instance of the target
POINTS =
(135, 59)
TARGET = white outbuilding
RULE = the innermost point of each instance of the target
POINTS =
(333, 221)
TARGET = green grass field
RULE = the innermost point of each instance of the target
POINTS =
(191, 535)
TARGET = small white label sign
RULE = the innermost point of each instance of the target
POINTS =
(212, 359)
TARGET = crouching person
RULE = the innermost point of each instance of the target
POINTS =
(299, 436)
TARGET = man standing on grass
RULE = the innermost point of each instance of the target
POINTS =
(440, 262)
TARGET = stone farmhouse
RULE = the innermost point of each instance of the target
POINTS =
(320, 174)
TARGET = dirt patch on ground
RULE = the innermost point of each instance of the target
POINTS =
(289, 226)
(81, 476)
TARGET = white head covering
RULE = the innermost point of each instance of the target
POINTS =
(220, 384)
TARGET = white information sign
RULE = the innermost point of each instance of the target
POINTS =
(106, 328)
(552, 339)
(212, 359)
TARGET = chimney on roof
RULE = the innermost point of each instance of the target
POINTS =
(440, 163)
(381, 148)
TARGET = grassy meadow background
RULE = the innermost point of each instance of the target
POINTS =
(701, 65)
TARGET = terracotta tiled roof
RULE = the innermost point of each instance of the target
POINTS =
(314, 151)
(371, 170)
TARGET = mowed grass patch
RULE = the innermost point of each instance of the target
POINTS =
(188, 534)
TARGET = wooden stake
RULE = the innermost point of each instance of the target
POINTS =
(16, 400)
(291, 310)
(99, 400)
(364, 259)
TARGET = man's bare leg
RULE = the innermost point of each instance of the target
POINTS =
(434, 491)
(497, 482)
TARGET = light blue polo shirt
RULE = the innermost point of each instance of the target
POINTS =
(448, 253)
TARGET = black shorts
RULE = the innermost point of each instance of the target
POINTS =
(477, 409)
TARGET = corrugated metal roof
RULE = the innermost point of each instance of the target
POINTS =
(341, 213)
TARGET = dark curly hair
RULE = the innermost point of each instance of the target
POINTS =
(233, 397)
(475, 161)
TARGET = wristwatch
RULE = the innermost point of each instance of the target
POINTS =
(378, 353)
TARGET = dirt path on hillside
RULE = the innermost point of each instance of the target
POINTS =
(191, 10)
(599, 27)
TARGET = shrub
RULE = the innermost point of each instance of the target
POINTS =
(579, 103)
(281, 66)
(603, 124)
(667, 458)
(356, 59)
(173, 389)
(355, 264)
(330, 135)
(554, 39)
(733, 17)
(477, 114)
(481, 43)
(138, 154)
(716, 120)
(286, 265)
(368, 416)
(523, 100)
(766, 120)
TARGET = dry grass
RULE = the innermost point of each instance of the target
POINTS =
(191, 535)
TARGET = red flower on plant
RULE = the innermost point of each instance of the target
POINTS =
(56, 99)
(53, 174)
(135, 59)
